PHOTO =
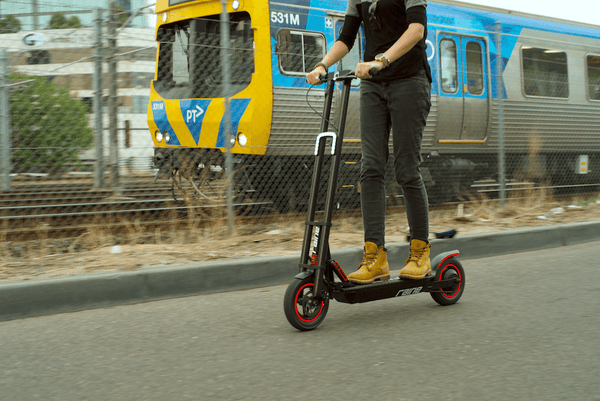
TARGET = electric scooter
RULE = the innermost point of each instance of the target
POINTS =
(320, 278)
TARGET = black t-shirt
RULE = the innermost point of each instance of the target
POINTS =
(392, 20)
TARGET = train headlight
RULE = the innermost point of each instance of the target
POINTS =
(235, 4)
(158, 136)
(242, 140)
(165, 17)
(167, 136)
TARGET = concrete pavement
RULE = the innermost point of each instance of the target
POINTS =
(526, 328)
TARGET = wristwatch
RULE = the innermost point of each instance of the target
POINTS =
(321, 64)
(382, 57)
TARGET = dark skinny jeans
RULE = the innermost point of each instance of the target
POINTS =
(403, 106)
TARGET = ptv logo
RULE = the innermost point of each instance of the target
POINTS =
(193, 114)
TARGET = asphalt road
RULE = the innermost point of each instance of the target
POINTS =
(526, 328)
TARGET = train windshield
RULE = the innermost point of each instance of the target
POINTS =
(189, 57)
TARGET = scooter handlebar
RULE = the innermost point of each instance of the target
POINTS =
(323, 78)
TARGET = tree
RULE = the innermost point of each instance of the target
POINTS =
(10, 24)
(119, 14)
(59, 21)
(74, 22)
(50, 128)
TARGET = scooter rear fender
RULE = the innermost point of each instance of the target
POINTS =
(439, 259)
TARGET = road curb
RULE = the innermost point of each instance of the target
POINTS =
(68, 294)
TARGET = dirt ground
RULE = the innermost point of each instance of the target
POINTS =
(283, 238)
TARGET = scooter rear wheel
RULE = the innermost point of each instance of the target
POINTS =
(301, 308)
(450, 268)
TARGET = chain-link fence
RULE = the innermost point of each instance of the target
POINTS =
(105, 128)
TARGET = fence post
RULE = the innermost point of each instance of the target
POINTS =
(5, 140)
(98, 102)
(500, 91)
(112, 100)
(225, 44)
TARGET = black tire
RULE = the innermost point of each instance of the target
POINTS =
(450, 295)
(303, 313)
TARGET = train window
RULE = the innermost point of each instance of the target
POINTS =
(449, 66)
(593, 77)
(299, 51)
(189, 62)
(475, 68)
(545, 72)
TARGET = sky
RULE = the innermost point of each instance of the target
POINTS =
(575, 10)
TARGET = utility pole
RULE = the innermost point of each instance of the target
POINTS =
(225, 44)
(98, 102)
(500, 90)
(5, 135)
(34, 10)
(112, 100)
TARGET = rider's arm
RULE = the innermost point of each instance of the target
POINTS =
(340, 48)
(407, 41)
(335, 54)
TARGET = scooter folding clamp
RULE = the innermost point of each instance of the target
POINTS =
(333, 136)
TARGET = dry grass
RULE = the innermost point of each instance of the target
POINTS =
(203, 236)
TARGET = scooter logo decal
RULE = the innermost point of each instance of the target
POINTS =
(316, 240)
(409, 291)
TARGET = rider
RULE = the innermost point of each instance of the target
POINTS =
(397, 97)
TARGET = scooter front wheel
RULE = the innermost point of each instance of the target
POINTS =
(301, 307)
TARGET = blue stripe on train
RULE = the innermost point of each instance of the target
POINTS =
(238, 108)
(159, 112)
(193, 112)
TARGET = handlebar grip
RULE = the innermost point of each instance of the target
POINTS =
(373, 71)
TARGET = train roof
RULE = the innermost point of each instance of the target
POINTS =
(457, 3)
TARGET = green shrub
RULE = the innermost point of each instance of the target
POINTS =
(49, 127)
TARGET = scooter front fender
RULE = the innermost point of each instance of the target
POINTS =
(304, 274)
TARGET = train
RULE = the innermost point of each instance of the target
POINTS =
(515, 99)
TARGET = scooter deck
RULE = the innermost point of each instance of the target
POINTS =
(395, 287)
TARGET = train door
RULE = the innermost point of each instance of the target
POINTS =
(463, 105)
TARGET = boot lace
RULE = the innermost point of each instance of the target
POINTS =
(416, 256)
(368, 259)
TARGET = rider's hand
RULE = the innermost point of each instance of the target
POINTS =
(313, 77)
(362, 69)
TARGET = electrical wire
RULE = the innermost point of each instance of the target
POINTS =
(320, 115)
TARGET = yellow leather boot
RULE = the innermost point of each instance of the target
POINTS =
(374, 265)
(418, 264)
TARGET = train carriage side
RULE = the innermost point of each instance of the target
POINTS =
(550, 112)
(552, 107)
(301, 33)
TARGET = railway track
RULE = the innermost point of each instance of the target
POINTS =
(70, 206)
